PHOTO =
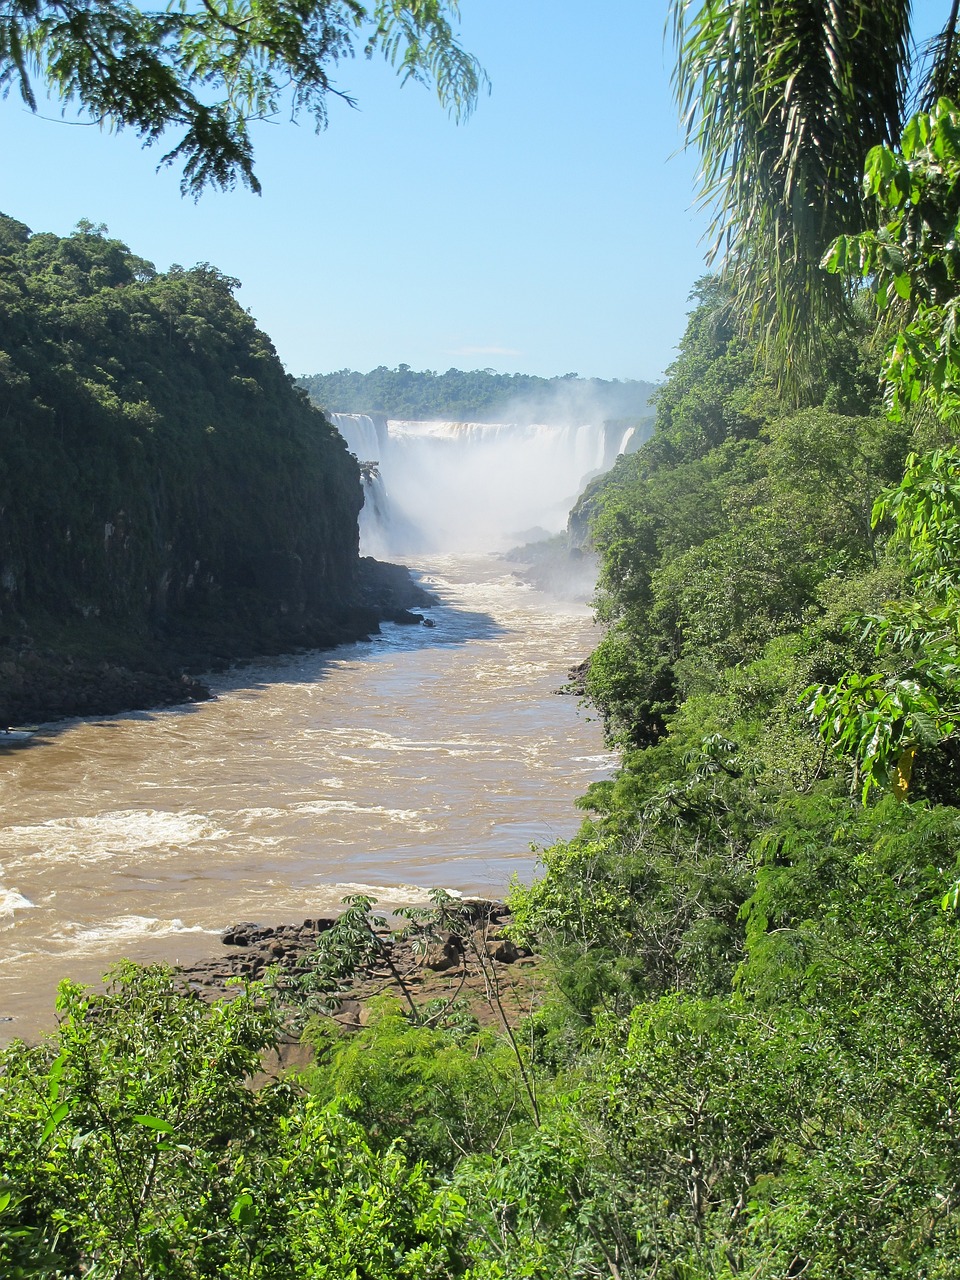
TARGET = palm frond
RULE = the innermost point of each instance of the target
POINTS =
(783, 99)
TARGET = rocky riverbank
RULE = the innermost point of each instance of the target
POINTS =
(89, 672)
(471, 960)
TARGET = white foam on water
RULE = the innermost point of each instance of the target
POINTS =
(98, 837)
(11, 901)
(414, 894)
(323, 807)
(256, 814)
(107, 934)
(377, 740)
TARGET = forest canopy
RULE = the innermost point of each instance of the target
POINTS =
(481, 395)
(160, 469)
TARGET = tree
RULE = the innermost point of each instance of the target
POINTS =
(212, 69)
(784, 99)
(912, 259)
(883, 718)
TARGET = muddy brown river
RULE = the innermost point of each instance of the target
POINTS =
(423, 757)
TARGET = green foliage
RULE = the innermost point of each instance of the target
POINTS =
(646, 898)
(716, 536)
(883, 718)
(345, 1211)
(159, 469)
(480, 395)
(443, 1093)
(135, 1147)
(552, 1208)
(123, 1138)
(212, 70)
(912, 259)
(783, 104)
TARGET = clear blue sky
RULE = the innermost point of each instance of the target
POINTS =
(555, 232)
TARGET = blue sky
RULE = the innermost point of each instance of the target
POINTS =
(552, 233)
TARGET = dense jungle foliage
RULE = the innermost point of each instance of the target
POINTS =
(160, 470)
(480, 395)
(745, 1062)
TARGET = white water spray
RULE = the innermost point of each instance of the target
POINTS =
(471, 486)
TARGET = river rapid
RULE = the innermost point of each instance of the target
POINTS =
(423, 757)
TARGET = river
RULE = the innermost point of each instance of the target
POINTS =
(423, 757)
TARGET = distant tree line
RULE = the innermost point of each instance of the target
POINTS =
(478, 395)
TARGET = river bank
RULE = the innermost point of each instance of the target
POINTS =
(426, 756)
(91, 670)
(471, 961)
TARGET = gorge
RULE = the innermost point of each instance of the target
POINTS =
(171, 499)
(426, 756)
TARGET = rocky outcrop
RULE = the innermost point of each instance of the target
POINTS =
(254, 947)
(169, 500)
(38, 685)
(475, 961)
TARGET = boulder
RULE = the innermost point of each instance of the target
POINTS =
(445, 953)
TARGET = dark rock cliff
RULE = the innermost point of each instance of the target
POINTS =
(168, 497)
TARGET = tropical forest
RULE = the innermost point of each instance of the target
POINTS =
(736, 1050)
(478, 395)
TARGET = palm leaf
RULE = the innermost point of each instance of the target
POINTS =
(784, 98)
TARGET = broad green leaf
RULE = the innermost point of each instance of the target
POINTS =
(151, 1122)
(57, 1117)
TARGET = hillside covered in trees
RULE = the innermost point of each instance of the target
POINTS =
(480, 395)
(165, 491)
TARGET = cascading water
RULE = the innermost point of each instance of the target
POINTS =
(471, 486)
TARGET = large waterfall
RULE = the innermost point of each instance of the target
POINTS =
(471, 486)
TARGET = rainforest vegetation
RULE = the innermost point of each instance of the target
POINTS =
(164, 487)
(745, 1061)
(480, 395)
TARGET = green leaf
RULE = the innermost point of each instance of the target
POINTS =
(53, 1076)
(151, 1122)
(244, 1210)
(57, 1117)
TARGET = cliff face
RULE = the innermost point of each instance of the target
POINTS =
(166, 492)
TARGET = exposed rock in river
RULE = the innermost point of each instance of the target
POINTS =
(473, 961)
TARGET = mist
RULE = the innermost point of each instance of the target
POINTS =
(580, 402)
(467, 486)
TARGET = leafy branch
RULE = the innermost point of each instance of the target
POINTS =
(213, 69)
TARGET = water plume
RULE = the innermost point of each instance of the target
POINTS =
(472, 486)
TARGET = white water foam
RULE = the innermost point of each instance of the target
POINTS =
(321, 807)
(99, 837)
(108, 934)
(414, 895)
(11, 901)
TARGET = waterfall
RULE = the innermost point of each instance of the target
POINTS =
(471, 486)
